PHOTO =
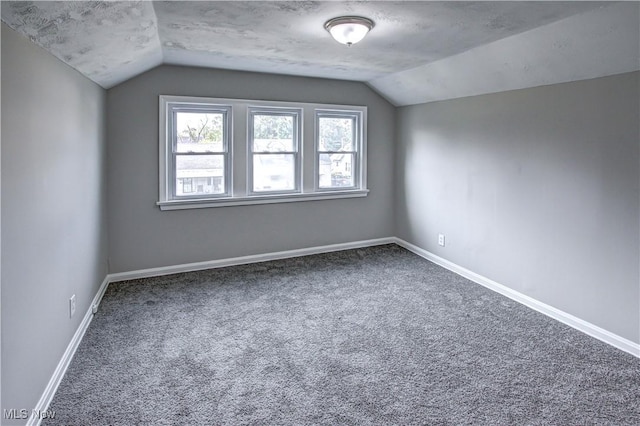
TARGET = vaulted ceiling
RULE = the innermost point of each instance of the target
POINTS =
(417, 52)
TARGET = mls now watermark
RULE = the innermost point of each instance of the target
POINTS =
(17, 414)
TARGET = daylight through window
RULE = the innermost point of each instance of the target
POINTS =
(199, 150)
(220, 152)
(273, 143)
(337, 149)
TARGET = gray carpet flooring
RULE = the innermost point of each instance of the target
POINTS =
(368, 337)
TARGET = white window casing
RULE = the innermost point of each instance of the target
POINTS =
(343, 162)
(274, 149)
(229, 152)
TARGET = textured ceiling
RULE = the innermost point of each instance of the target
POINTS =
(108, 42)
(418, 51)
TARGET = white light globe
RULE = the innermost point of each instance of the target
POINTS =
(348, 29)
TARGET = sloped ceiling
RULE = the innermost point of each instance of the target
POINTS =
(418, 51)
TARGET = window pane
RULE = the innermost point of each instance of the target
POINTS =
(274, 172)
(336, 171)
(273, 133)
(199, 174)
(199, 132)
(336, 133)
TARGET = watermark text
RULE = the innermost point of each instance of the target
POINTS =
(23, 414)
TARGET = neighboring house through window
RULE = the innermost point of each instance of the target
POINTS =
(274, 163)
(338, 140)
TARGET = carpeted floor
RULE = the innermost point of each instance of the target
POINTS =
(369, 336)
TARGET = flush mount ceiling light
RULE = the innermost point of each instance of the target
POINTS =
(348, 29)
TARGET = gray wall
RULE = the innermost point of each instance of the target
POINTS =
(141, 236)
(537, 189)
(54, 240)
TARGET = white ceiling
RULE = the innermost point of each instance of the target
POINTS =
(419, 51)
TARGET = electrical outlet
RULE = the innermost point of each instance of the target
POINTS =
(441, 239)
(72, 306)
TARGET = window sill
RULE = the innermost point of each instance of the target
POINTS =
(259, 199)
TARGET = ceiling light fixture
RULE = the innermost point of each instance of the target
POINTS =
(348, 29)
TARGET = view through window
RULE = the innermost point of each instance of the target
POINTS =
(337, 135)
(274, 148)
(200, 152)
(218, 152)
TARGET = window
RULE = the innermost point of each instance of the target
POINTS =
(197, 150)
(222, 152)
(338, 140)
(273, 146)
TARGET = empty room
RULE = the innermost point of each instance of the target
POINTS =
(320, 212)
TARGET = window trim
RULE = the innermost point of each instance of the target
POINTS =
(266, 199)
(169, 106)
(238, 169)
(297, 115)
(358, 145)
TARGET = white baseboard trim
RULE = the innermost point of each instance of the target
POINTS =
(61, 369)
(565, 318)
(243, 260)
(570, 320)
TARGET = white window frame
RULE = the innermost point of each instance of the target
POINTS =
(169, 107)
(297, 152)
(358, 146)
(238, 174)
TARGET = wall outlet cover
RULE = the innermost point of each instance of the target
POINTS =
(72, 306)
